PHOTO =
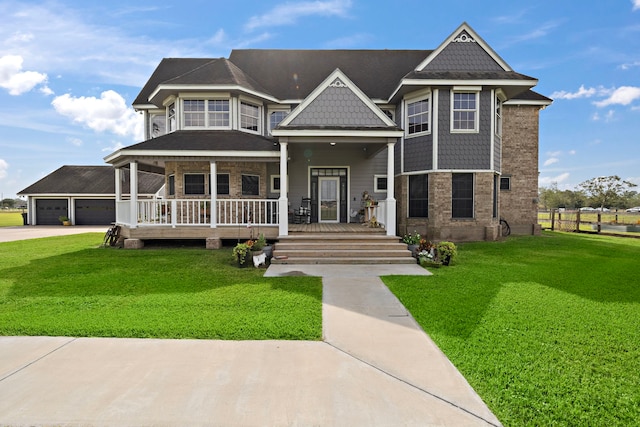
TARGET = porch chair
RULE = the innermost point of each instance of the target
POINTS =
(302, 215)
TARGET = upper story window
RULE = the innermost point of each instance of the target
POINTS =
(206, 113)
(275, 117)
(157, 124)
(418, 117)
(464, 111)
(249, 117)
(171, 117)
(498, 123)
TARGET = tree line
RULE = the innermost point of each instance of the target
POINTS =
(602, 192)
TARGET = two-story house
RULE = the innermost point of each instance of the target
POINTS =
(444, 140)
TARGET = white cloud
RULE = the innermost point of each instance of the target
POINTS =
(551, 161)
(109, 113)
(624, 95)
(554, 153)
(75, 141)
(4, 166)
(572, 152)
(582, 92)
(636, 4)
(289, 13)
(629, 65)
(548, 180)
(115, 146)
(608, 117)
(14, 79)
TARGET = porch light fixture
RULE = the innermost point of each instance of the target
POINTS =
(332, 143)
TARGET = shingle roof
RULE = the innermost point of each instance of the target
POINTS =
(293, 74)
(467, 75)
(203, 140)
(530, 95)
(95, 180)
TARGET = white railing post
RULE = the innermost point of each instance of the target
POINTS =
(133, 184)
(391, 201)
(214, 194)
(283, 201)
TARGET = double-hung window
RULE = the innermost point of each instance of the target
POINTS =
(464, 111)
(418, 117)
(250, 185)
(249, 117)
(205, 113)
(222, 184)
(171, 117)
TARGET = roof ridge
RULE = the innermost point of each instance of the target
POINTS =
(212, 60)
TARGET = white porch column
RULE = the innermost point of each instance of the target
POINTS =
(214, 194)
(391, 201)
(118, 185)
(283, 201)
(133, 181)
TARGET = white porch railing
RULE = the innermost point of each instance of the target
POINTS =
(381, 212)
(194, 212)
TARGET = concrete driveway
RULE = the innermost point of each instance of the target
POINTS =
(10, 234)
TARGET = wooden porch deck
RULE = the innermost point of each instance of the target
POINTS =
(323, 227)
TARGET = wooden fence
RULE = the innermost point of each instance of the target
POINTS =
(613, 222)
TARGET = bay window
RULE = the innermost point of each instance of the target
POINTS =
(249, 117)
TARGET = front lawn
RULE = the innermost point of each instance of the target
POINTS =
(68, 286)
(10, 218)
(546, 329)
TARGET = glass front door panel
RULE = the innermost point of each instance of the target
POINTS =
(329, 206)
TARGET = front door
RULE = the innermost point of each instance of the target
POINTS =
(329, 206)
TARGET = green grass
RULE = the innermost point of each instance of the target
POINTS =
(69, 286)
(546, 329)
(10, 218)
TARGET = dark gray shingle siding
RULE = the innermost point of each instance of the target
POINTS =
(418, 153)
(463, 56)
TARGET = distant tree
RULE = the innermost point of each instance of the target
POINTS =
(553, 198)
(8, 203)
(605, 190)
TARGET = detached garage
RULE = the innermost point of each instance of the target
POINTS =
(84, 194)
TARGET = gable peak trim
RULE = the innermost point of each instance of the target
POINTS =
(464, 34)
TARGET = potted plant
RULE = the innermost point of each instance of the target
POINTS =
(64, 220)
(267, 249)
(412, 241)
(258, 245)
(241, 254)
(446, 252)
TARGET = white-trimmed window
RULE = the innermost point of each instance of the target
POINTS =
(172, 185)
(205, 113)
(218, 110)
(275, 183)
(498, 124)
(418, 118)
(275, 117)
(380, 183)
(249, 117)
(464, 111)
(157, 124)
(505, 183)
(171, 117)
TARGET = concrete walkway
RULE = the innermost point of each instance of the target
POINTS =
(10, 234)
(375, 367)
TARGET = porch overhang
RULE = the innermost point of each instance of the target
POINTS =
(368, 134)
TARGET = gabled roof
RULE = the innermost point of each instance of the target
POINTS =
(529, 97)
(91, 180)
(337, 104)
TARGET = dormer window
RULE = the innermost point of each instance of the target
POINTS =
(275, 117)
(249, 117)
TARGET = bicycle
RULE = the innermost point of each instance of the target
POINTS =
(504, 227)
(112, 235)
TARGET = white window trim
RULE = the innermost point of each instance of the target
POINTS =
(423, 96)
(507, 177)
(176, 116)
(375, 183)
(271, 110)
(499, 101)
(476, 128)
(258, 105)
(206, 112)
(204, 183)
(272, 183)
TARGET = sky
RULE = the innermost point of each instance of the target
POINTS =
(69, 70)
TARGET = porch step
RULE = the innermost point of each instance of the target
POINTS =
(348, 248)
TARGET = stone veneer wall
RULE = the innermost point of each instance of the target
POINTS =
(234, 169)
(518, 206)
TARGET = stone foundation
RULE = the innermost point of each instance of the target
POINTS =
(133, 244)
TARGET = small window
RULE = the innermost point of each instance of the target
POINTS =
(157, 125)
(498, 117)
(464, 114)
(419, 196)
(171, 117)
(462, 195)
(505, 183)
(193, 183)
(418, 117)
(275, 117)
(172, 185)
(379, 183)
(250, 185)
(275, 183)
(249, 116)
